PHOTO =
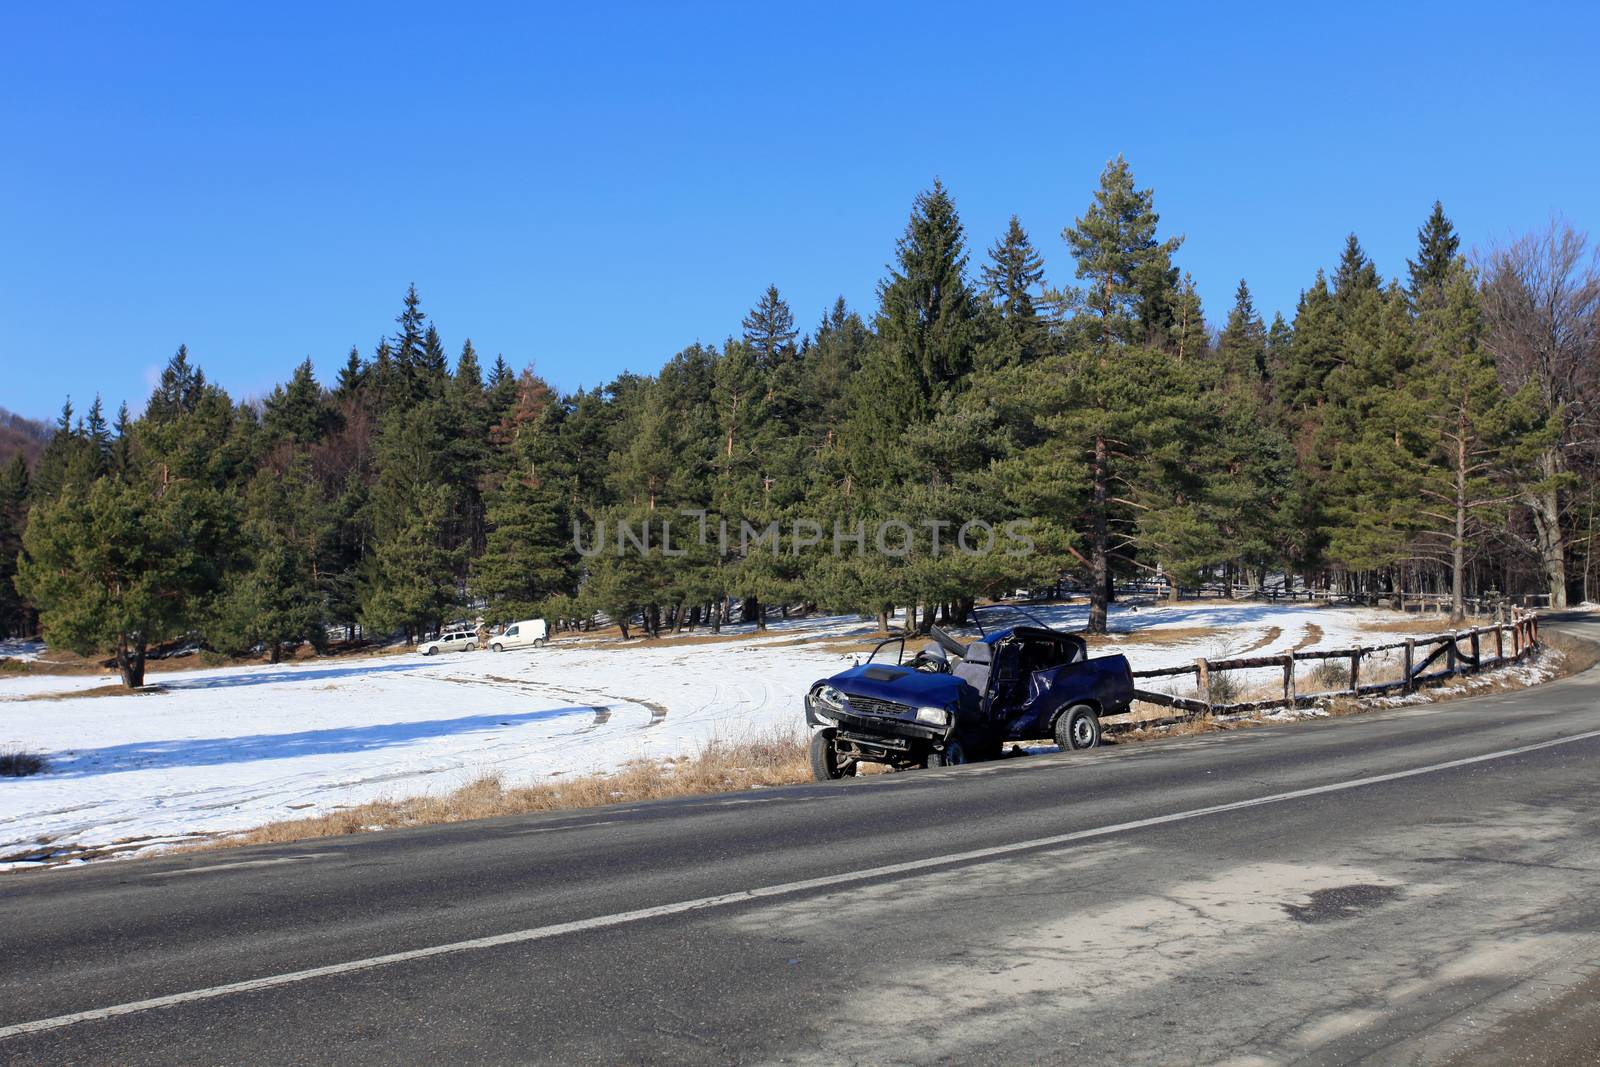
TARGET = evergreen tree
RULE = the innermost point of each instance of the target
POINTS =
(1011, 280)
(112, 567)
(769, 330)
(1437, 245)
(1190, 336)
(352, 376)
(1114, 380)
(1129, 271)
(410, 579)
(179, 390)
(296, 412)
(926, 324)
(1242, 347)
(122, 458)
(16, 618)
(272, 599)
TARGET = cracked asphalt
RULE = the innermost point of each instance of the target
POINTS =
(1092, 907)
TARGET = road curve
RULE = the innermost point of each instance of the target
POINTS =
(1421, 885)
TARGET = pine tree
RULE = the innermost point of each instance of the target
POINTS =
(1129, 271)
(926, 322)
(352, 376)
(1011, 280)
(1472, 441)
(1242, 346)
(435, 365)
(122, 456)
(272, 599)
(16, 618)
(112, 567)
(296, 412)
(769, 330)
(1437, 245)
(1114, 380)
(410, 573)
(179, 391)
(1190, 336)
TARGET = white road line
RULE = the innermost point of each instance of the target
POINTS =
(600, 922)
(241, 864)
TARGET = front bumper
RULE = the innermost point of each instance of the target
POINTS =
(850, 721)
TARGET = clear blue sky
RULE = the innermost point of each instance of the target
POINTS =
(590, 189)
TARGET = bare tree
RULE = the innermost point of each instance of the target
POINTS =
(1542, 310)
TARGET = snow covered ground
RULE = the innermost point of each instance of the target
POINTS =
(16, 648)
(234, 748)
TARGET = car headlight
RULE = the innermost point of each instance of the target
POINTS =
(934, 716)
(829, 697)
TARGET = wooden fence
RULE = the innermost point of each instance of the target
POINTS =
(1485, 647)
(1439, 603)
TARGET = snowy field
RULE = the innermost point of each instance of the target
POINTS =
(233, 748)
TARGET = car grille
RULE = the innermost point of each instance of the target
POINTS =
(874, 706)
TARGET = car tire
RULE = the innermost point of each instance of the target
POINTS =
(954, 754)
(825, 765)
(430, 650)
(1078, 728)
(538, 642)
(497, 647)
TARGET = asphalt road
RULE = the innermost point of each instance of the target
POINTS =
(1411, 886)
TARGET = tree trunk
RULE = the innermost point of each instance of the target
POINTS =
(1099, 572)
(130, 661)
(276, 653)
(1458, 546)
(1546, 508)
(883, 620)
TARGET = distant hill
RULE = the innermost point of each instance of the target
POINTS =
(21, 434)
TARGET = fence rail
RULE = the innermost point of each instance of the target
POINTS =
(1510, 640)
(1277, 593)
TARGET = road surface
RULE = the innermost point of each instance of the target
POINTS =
(1420, 885)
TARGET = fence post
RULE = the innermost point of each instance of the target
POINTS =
(1288, 679)
(1203, 682)
(1499, 640)
(1411, 656)
(1450, 654)
(1355, 672)
(1477, 653)
(1516, 638)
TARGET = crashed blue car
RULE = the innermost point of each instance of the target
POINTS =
(957, 702)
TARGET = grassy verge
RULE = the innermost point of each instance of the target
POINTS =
(720, 767)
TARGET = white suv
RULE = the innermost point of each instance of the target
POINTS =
(450, 641)
(527, 633)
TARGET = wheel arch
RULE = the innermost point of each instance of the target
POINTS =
(1092, 703)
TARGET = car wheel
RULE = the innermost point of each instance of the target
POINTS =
(538, 642)
(1078, 728)
(430, 650)
(825, 762)
(953, 755)
(497, 647)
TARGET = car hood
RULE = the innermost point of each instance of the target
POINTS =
(899, 684)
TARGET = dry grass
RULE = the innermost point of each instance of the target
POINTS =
(19, 764)
(115, 690)
(721, 767)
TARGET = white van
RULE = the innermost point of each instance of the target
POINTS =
(529, 633)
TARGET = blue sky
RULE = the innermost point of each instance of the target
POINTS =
(589, 189)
